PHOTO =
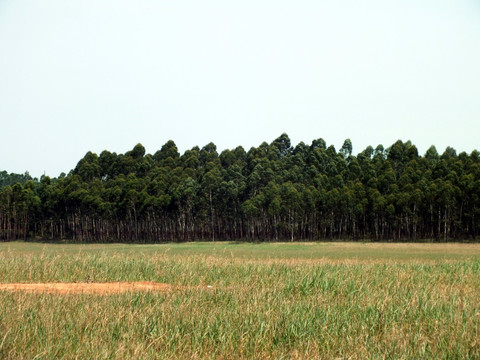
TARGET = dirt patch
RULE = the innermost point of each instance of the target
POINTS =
(86, 288)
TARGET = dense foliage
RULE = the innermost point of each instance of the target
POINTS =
(11, 179)
(272, 192)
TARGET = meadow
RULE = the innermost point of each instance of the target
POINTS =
(245, 301)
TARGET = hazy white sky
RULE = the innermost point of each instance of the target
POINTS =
(94, 75)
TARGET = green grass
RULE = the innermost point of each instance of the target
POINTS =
(248, 251)
(280, 300)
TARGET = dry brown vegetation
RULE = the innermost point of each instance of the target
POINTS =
(243, 301)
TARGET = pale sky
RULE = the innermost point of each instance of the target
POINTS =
(78, 76)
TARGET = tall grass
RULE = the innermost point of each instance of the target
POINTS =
(269, 307)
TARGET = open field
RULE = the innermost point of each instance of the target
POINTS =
(241, 300)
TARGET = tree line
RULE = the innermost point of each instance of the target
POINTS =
(12, 178)
(271, 192)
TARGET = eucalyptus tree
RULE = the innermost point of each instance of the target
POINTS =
(275, 191)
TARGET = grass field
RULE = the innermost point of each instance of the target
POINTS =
(266, 301)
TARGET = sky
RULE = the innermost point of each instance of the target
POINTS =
(94, 75)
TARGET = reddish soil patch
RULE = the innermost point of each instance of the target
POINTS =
(86, 288)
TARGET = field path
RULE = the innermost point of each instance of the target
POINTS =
(86, 288)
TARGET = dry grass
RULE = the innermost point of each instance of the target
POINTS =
(280, 301)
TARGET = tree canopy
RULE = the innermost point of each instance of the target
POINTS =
(274, 191)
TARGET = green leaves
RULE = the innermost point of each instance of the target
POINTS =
(273, 191)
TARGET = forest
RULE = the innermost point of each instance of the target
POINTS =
(271, 192)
